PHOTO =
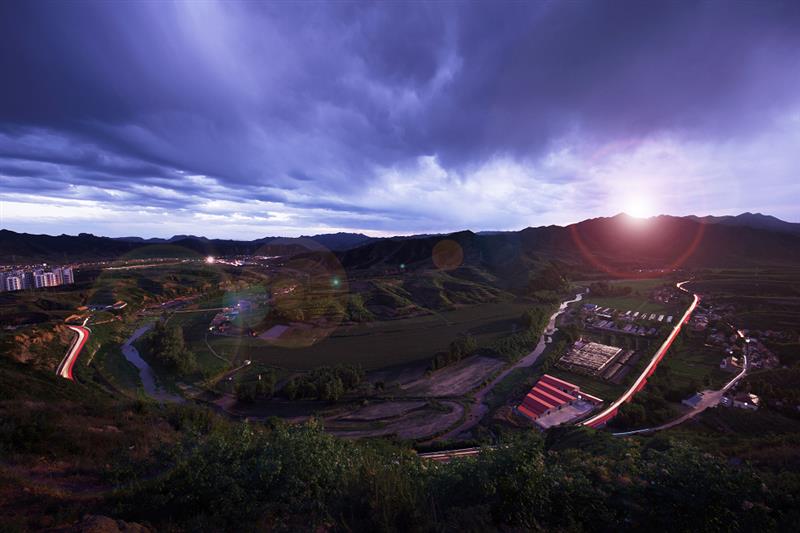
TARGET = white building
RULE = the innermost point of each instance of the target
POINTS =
(13, 283)
(746, 400)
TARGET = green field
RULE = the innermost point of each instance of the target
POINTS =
(637, 300)
(763, 298)
(694, 363)
(631, 303)
(372, 345)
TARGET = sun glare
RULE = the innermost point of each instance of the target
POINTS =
(638, 207)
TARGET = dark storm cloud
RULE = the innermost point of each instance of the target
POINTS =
(306, 105)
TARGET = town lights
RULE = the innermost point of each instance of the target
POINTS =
(210, 259)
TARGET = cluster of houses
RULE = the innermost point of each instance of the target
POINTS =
(665, 295)
(223, 322)
(630, 322)
(741, 400)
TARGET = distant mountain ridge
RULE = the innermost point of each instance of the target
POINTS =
(751, 220)
(332, 241)
(610, 242)
(19, 248)
(620, 245)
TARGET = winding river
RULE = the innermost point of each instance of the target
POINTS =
(146, 373)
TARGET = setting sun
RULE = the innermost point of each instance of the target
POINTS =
(638, 207)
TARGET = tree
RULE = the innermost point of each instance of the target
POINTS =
(535, 319)
(168, 347)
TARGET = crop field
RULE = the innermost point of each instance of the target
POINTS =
(637, 300)
(631, 303)
(372, 345)
(763, 298)
(694, 363)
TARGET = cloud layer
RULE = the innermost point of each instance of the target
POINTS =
(242, 120)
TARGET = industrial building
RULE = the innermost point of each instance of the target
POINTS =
(552, 401)
(589, 357)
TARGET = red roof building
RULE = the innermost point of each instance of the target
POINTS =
(550, 394)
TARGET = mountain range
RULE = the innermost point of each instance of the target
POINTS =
(619, 243)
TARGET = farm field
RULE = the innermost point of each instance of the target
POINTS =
(638, 299)
(695, 363)
(372, 345)
(631, 303)
(763, 298)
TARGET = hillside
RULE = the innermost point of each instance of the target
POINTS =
(619, 244)
(71, 450)
(19, 248)
(752, 220)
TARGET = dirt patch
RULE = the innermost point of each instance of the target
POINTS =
(273, 333)
(413, 421)
(456, 379)
(383, 410)
(400, 374)
(41, 346)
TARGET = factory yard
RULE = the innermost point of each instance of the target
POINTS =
(610, 363)
(565, 414)
(591, 357)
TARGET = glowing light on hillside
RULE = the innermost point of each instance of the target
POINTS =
(638, 207)
(210, 259)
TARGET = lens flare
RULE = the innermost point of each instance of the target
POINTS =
(598, 262)
(447, 255)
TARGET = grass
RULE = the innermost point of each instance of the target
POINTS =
(632, 303)
(594, 386)
(381, 344)
(512, 386)
(763, 298)
(103, 353)
(693, 362)
(638, 299)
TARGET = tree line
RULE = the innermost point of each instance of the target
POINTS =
(285, 478)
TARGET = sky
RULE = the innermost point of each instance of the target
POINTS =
(243, 120)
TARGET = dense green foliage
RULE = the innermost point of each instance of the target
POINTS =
(604, 288)
(288, 478)
(167, 346)
(262, 387)
(550, 278)
(461, 347)
(513, 347)
(324, 383)
(356, 311)
(780, 388)
(655, 404)
(788, 353)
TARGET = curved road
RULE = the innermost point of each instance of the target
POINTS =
(710, 398)
(65, 368)
(478, 409)
(609, 412)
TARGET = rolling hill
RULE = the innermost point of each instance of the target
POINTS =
(616, 244)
